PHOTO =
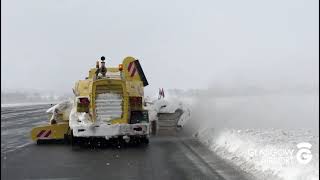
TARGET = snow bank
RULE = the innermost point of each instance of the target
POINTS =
(266, 154)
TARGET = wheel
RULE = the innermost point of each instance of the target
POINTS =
(119, 142)
(73, 140)
(39, 142)
(67, 139)
(145, 140)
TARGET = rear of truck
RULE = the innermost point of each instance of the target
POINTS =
(111, 106)
(108, 104)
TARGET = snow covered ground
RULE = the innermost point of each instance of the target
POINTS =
(26, 104)
(265, 153)
(258, 134)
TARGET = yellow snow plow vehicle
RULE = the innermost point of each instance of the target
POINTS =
(108, 105)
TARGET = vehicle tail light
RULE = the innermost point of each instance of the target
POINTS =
(84, 101)
(83, 105)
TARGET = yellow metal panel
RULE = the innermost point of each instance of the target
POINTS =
(127, 73)
(57, 131)
(92, 73)
(113, 69)
(83, 87)
(135, 88)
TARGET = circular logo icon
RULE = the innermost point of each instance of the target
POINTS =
(304, 155)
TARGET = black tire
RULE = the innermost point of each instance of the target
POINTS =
(73, 141)
(119, 143)
(39, 142)
(145, 140)
(67, 139)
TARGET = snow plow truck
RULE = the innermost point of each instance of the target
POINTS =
(107, 106)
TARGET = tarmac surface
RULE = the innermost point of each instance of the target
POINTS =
(166, 157)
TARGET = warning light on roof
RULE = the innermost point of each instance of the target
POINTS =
(120, 67)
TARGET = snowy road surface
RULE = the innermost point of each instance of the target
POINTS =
(166, 157)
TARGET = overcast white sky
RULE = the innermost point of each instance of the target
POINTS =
(49, 44)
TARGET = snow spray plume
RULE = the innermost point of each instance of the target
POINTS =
(222, 107)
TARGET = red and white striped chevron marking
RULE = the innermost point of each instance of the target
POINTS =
(44, 134)
(132, 69)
